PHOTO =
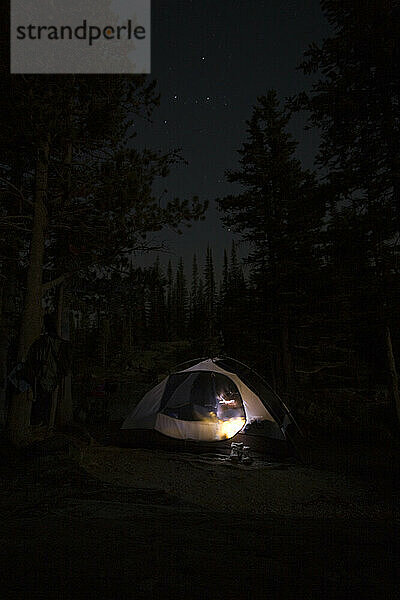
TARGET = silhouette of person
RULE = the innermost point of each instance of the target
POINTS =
(47, 363)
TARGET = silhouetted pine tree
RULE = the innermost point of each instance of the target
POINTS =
(200, 331)
(279, 214)
(170, 317)
(157, 312)
(235, 276)
(195, 284)
(181, 298)
(225, 277)
(355, 105)
(234, 310)
(193, 326)
(210, 290)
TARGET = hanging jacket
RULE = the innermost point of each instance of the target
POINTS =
(47, 362)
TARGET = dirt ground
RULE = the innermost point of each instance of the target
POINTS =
(83, 521)
(213, 483)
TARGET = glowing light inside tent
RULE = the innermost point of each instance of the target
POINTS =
(227, 402)
(230, 427)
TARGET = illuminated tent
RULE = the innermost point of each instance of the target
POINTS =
(212, 400)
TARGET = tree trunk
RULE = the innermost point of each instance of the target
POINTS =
(393, 371)
(6, 320)
(3, 359)
(286, 356)
(8, 299)
(64, 415)
(20, 409)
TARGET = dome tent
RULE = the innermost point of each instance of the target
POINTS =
(212, 400)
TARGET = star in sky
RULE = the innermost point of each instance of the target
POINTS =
(244, 46)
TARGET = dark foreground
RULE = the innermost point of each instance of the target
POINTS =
(67, 535)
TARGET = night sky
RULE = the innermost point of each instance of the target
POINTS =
(211, 60)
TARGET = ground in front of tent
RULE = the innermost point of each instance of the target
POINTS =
(119, 523)
(113, 435)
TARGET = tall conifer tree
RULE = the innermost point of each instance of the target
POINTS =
(279, 214)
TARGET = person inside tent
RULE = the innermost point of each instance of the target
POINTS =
(229, 402)
(203, 397)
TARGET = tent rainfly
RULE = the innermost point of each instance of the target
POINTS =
(212, 400)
